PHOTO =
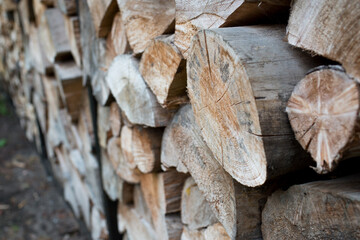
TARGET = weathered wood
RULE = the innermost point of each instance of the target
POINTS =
(103, 122)
(329, 28)
(68, 7)
(196, 15)
(213, 232)
(121, 166)
(110, 179)
(317, 210)
(102, 13)
(324, 114)
(164, 70)
(39, 59)
(141, 147)
(72, 26)
(239, 80)
(195, 210)
(98, 225)
(115, 119)
(162, 193)
(133, 95)
(145, 20)
(52, 29)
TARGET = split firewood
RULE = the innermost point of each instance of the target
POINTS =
(162, 193)
(110, 179)
(195, 210)
(52, 29)
(39, 9)
(328, 28)
(69, 77)
(25, 8)
(77, 162)
(103, 123)
(324, 114)
(241, 110)
(213, 232)
(72, 26)
(133, 95)
(192, 17)
(164, 70)
(100, 87)
(140, 205)
(123, 168)
(98, 224)
(126, 193)
(85, 126)
(39, 59)
(115, 119)
(102, 13)
(116, 42)
(146, 19)
(40, 110)
(316, 210)
(68, 7)
(141, 147)
(70, 197)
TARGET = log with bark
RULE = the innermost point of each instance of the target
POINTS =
(196, 15)
(324, 114)
(164, 70)
(239, 80)
(328, 28)
(133, 95)
(145, 20)
(316, 210)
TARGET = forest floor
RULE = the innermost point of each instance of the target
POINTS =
(31, 206)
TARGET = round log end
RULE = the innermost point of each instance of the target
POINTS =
(323, 111)
(225, 109)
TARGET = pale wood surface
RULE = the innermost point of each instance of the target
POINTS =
(102, 14)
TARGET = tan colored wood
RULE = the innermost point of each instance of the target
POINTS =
(141, 147)
(316, 210)
(102, 13)
(324, 114)
(115, 119)
(328, 28)
(164, 70)
(52, 29)
(103, 123)
(162, 193)
(197, 15)
(133, 95)
(122, 167)
(216, 231)
(239, 80)
(72, 26)
(195, 210)
(146, 19)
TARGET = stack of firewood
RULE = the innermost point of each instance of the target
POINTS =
(205, 113)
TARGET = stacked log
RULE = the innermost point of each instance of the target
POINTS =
(179, 120)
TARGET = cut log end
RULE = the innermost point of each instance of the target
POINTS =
(212, 64)
(323, 111)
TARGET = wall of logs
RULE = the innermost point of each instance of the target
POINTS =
(175, 119)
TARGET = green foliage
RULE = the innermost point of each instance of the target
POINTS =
(3, 109)
(3, 142)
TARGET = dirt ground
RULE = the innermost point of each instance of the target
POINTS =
(31, 207)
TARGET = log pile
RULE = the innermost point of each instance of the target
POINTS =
(196, 120)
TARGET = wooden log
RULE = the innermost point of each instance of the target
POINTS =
(102, 13)
(238, 88)
(140, 205)
(341, 39)
(162, 193)
(67, 7)
(164, 70)
(324, 114)
(100, 87)
(72, 26)
(133, 95)
(52, 29)
(141, 147)
(195, 210)
(122, 167)
(109, 177)
(98, 225)
(103, 122)
(115, 119)
(316, 210)
(192, 17)
(146, 19)
(213, 232)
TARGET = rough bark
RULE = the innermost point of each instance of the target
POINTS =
(317, 210)
(197, 15)
(239, 80)
(133, 95)
(164, 70)
(328, 28)
(324, 114)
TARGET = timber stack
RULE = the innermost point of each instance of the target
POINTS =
(197, 119)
